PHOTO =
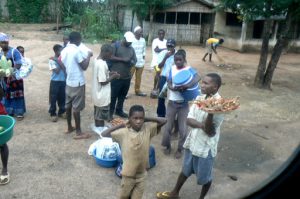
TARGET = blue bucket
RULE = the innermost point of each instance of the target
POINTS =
(107, 163)
(8, 123)
(185, 77)
(182, 78)
(191, 93)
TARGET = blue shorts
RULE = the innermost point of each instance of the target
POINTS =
(202, 167)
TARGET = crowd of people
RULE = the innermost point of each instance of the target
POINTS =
(114, 68)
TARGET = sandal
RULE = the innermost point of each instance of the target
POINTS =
(165, 195)
(4, 179)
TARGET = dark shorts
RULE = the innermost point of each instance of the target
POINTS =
(75, 98)
(202, 167)
(101, 113)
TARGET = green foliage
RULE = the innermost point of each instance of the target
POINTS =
(251, 10)
(96, 24)
(27, 11)
(144, 8)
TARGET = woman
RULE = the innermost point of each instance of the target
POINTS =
(14, 99)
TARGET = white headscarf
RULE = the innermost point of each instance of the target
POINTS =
(137, 28)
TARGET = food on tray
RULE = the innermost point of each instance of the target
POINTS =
(221, 105)
(117, 121)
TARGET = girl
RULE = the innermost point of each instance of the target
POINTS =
(177, 105)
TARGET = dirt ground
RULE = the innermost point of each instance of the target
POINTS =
(256, 140)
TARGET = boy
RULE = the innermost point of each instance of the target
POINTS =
(57, 85)
(201, 142)
(177, 105)
(211, 46)
(75, 64)
(4, 175)
(166, 61)
(101, 86)
(135, 142)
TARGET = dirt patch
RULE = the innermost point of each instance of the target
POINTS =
(255, 140)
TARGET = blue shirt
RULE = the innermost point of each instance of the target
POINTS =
(168, 64)
(60, 76)
(14, 55)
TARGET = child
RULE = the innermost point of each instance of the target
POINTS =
(101, 86)
(57, 85)
(202, 141)
(135, 142)
(177, 105)
(4, 176)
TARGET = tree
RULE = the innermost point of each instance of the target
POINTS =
(266, 9)
(148, 7)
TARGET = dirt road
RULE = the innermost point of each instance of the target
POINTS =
(255, 140)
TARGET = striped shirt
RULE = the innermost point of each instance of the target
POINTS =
(197, 141)
(139, 47)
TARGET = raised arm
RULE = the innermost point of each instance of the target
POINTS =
(207, 125)
(159, 120)
(85, 63)
(107, 132)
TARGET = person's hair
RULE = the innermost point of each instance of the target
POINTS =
(56, 47)
(20, 47)
(136, 108)
(182, 53)
(106, 48)
(221, 40)
(216, 78)
(161, 30)
(74, 37)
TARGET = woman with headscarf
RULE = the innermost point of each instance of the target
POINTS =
(14, 89)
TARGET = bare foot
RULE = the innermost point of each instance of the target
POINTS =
(178, 154)
(167, 151)
(70, 130)
(82, 136)
(203, 60)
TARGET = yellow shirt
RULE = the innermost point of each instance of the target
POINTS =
(135, 148)
(212, 41)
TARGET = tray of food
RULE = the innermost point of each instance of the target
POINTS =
(218, 106)
(116, 121)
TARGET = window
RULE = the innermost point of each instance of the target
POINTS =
(232, 20)
(258, 27)
(159, 17)
(170, 18)
(182, 18)
(206, 18)
(195, 18)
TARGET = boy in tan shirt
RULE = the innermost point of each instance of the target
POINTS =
(134, 138)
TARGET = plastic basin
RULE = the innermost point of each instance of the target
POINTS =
(105, 162)
(182, 78)
(8, 123)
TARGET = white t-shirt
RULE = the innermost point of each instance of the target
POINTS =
(84, 50)
(139, 47)
(71, 57)
(160, 44)
(100, 93)
(175, 95)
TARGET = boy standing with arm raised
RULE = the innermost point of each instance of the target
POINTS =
(134, 138)
(201, 142)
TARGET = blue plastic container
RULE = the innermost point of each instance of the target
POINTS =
(108, 163)
(8, 123)
(182, 78)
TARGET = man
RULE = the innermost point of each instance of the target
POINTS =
(122, 60)
(158, 45)
(75, 64)
(139, 46)
(211, 46)
(166, 61)
(201, 142)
